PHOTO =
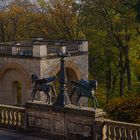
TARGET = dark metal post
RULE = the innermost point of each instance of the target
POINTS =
(62, 98)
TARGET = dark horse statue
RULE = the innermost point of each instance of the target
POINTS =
(86, 89)
(43, 85)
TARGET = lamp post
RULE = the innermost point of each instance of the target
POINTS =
(63, 98)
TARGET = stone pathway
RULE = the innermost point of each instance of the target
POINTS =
(6, 134)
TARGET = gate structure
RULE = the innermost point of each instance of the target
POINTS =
(18, 60)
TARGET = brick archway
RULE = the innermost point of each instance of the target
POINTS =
(14, 66)
(73, 73)
(69, 64)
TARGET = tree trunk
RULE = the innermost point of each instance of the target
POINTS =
(121, 84)
(127, 66)
(108, 82)
(121, 72)
(107, 86)
(114, 83)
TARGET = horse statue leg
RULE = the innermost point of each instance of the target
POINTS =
(72, 92)
(53, 90)
(33, 94)
(95, 102)
(78, 101)
(78, 97)
(47, 99)
(49, 95)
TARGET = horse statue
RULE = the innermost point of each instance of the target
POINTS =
(86, 89)
(43, 85)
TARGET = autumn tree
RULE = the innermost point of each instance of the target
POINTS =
(67, 16)
(113, 21)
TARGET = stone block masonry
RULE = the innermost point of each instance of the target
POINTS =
(41, 59)
(68, 123)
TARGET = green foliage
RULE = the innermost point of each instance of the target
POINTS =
(110, 26)
(137, 7)
(124, 109)
(101, 97)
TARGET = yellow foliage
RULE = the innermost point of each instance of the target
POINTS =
(124, 109)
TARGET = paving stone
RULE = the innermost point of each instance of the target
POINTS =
(6, 134)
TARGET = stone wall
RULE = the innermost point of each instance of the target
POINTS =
(69, 123)
(20, 69)
(78, 63)
(76, 69)
(16, 69)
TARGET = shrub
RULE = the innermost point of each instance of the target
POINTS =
(124, 109)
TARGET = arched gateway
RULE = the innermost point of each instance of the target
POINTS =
(18, 60)
(14, 84)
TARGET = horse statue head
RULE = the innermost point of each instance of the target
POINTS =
(34, 78)
(93, 84)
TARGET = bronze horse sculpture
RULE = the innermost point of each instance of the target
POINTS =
(43, 85)
(86, 89)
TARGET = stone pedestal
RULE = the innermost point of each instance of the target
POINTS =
(83, 47)
(68, 123)
(39, 50)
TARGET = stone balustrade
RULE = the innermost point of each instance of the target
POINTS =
(22, 50)
(5, 49)
(68, 123)
(116, 130)
(41, 49)
(12, 117)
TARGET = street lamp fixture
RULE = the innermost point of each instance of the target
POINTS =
(63, 98)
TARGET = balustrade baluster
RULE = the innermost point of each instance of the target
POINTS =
(118, 134)
(123, 133)
(138, 133)
(129, 135)
(134, 134)
(8, 117)
(11, 118)
(0, 115)
(3, 116)
(23, 119)
(112, 132)
(104, 132)
(108, 132)
(15, 118)
(19, 119)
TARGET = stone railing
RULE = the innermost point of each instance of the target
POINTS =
(52, 49)
(5, 49)
(41, 49)
(12, 117)
(68, 123)
(22, 50)
(115, 130)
